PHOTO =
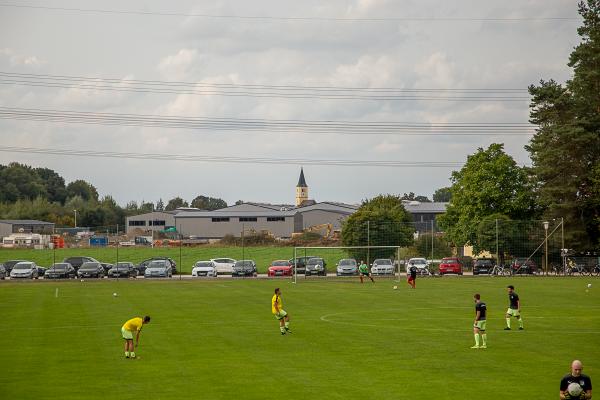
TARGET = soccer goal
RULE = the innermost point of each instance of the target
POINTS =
(313, 262)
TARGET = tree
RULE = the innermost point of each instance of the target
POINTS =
(412, 197)
(160, 205)
(564, 150)
(381, 221)
(54, 184)
(441, 248)
(208, 203)
(442, 195)
(239, 202)
(489, 183)
(175, 203)
(82, 189)
(20, 182)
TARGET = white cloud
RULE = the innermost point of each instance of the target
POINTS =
(179, 65)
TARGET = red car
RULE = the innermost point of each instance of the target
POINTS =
(280, 268)
(451, 265)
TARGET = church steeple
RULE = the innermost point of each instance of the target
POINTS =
(301, 189)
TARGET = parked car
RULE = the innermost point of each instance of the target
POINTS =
(451, 265)
(8, 265)
(24, 269)
(347, 266)
(158, 269)
(382, 266)
(123, 269)
(2, 272)
(90, 269)
(144, 264)
(204, 268)
(316, 266)
(301, 263)
(78, 261)
(483, 266)
(244, 268)
(521, 265)
(420, 264)
(60, 271)
(280, 268)
(224, 266)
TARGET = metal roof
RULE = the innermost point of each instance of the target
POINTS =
(24, 222)
(234, 214)
(432, 208)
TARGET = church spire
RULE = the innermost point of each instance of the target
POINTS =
(301, 189)
(301, 180)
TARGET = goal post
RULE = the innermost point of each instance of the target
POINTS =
(331, 255)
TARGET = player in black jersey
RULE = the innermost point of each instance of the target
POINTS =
(576, 378)
(479, 324)
(514, 308)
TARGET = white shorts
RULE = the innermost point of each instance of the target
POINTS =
(513, 312)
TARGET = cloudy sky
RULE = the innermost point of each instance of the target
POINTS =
(401, 44)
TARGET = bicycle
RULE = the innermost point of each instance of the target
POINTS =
(499, 270)
(557, 269)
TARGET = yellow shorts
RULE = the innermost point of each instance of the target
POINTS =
(127, 335)
(513, 312)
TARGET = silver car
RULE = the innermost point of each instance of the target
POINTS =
(420, 264)
(382, 266)
(224, 266)
(24, 270)
(204, 268)
(347, 266)
(158, 269)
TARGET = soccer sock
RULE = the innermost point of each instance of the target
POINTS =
(126, 354)
(521, 322)
(132, 354)
(484, 338)
(281, 328)
(477, 339)
(508, 322)
(287, 325)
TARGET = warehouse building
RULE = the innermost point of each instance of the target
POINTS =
(10, 226)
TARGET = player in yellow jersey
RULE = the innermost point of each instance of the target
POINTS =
(279, 312)
(127, 330)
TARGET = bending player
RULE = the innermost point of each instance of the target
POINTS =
(279, 312)
(363, 270)
(133, 325)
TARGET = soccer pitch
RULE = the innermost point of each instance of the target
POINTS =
(217, 339)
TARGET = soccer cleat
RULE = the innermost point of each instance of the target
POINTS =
(475, 347)
(483, 346)
(521, 328)
(283, 333)
(507, 329)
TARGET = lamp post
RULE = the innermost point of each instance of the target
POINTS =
(75, 211)
(546, 225)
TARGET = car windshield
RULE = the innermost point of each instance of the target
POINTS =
(157, 264)
(90, 265)
(204, 265)
(280, 264)
(419, 261)
(383, 262)
(59, 266)
(122, 265)
(315, 261)
(242, 264)
(484, 262)
(449, 260)
(347, 262)
(23, 266)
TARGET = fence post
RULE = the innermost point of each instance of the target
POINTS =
(497, 255)
(432, 244)
(368, 241)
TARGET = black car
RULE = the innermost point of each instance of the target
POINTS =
(107, 267)
(483, 266)
(2, 272)
(244, 268)
(316, 266)
(60, 271)
(78, 261)
(90, 269)
(301, 263)
(8, 265)
(141, 268)
(122, 270)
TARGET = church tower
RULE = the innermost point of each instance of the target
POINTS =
(301, 189)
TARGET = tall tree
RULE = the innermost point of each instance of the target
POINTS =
(380, 221)
(489, 183)
(176, 203)
(564, 150)
(82, 189)
(208, 203)
(160, 205)
(442, 195)
(54, 183)
(413, 197)
(20, 182)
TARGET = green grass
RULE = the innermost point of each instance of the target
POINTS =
(217, 339)
(189, 255)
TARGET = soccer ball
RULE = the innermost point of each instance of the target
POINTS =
(115, 294)
(395, 287)
(574, 389)
(589, 285)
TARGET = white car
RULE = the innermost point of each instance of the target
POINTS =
(204, 268)
(382, 266)
(224, 266)
(24, 269)
(421, 264)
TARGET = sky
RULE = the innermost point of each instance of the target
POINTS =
(420, 44)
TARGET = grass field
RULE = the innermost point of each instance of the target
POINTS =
(189, 255)
(219, 340)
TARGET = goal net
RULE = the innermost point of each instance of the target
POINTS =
(342, 262)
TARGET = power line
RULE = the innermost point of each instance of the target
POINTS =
(273, 91)
(287, 18)
(273, 126)
(230, 159)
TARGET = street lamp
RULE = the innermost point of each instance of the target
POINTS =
(75, 211)
(546, 225)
